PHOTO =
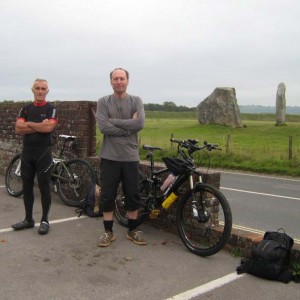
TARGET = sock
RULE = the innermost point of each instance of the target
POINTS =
(132, 224)
(108, 225)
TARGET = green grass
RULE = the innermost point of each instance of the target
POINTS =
(260, 146)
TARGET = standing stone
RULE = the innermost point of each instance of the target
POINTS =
(220, 108)
(280, 104)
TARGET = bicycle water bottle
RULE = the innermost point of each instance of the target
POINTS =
(168, 181)
(169, 201)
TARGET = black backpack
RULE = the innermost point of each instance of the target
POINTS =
(91, 205)
(270, 258)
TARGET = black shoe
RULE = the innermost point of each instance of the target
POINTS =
(44, 228)
(23, 225)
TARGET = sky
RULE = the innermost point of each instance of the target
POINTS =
(174, 50)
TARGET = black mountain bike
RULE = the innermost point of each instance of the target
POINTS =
(72, 178)
(203, 215)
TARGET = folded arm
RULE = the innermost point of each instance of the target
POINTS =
(45, 126)
(136, 123)
(105, 126)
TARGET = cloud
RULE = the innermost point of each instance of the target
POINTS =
(177, 50)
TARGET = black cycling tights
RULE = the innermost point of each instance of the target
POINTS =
(36, 161)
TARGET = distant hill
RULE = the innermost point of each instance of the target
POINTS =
(258, 109)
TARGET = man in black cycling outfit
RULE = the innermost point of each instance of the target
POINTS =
(35, 122)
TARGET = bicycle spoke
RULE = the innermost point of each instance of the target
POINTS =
(75, 181)
(208, 232)
(13, 179)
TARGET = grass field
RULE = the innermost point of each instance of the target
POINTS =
(260, 146)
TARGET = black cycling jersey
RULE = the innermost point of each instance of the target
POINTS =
(34, 112)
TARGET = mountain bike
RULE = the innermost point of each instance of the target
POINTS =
(72, 178)
(203, 214)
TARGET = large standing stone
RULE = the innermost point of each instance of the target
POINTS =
(220, 108)
(280, 104)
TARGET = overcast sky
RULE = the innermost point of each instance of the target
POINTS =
(174, 50)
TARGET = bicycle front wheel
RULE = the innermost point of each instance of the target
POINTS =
(75, 181)
(204, 223)
(13, 179)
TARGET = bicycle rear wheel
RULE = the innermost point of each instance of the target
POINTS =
(209, 232)
(120, 212)
(75, 181)
(13, 179)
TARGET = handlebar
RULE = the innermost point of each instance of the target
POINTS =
(191, 145)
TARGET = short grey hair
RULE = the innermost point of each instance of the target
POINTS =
(39, 79)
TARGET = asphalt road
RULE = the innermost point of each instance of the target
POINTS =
(67, 264)
(263, 202)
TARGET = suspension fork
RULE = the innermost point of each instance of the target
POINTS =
(194, 202)
(18, 169)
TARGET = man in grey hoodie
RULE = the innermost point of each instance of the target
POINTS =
(120, 117)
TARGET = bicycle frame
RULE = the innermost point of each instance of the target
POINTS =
(154, 181)
(176, 185)
(59, 161)
(55, 161)
(155, 177)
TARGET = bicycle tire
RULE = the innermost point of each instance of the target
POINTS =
(13, 181)
(206, 237)
(120, 212)
(73, 190)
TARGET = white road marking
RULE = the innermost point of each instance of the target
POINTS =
(264, 194)
(202, 289)
(258, 175)
(51, 222)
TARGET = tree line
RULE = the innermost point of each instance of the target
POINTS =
(167, 106)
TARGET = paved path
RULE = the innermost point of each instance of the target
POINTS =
(67, 264)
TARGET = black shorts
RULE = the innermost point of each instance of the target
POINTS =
(112, 174)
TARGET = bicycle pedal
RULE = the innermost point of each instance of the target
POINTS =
(154, 214)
